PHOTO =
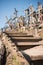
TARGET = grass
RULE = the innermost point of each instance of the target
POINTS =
(15, 60)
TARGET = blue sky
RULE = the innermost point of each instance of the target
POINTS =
(7, 8)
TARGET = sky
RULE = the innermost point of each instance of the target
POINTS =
(7, 8)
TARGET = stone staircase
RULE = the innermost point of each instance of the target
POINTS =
(22, 54)
(12, 48)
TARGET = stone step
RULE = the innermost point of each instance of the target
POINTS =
(35, 53)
